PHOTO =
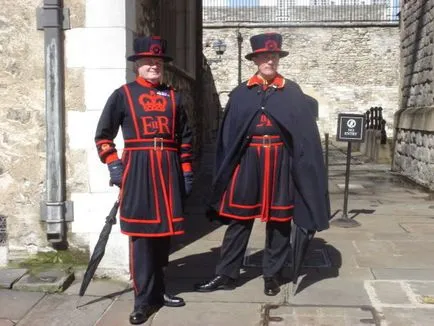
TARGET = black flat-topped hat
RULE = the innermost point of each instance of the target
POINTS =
(266, 43)
(150, 46)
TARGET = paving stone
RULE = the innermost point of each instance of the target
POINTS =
(418, 227)
(57, 309)
(200, 314)
(320, 315)
(317, 258)
(6, 322)
(321, 291)
(403, 274)
(118, 314)
(8, 276)
(99, 288)
(408, 317)
(390, 292)
(47, 281)
(422, 288)
(14, 305)
(351, 186)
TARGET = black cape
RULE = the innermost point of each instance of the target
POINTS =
(294, 115)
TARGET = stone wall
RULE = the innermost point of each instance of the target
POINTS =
(414, 122)
(22, 124)
(347, 69)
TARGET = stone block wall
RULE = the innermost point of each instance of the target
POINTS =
(22, 125)
(346, 68)
(414, 122)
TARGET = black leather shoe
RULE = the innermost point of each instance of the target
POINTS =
(137, 317)
(220, 282)
(172, 301)
(141, 315)
(271, 286)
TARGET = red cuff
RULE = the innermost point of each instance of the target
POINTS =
(111, 158)
(186, 167)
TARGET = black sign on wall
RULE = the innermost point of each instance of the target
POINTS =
(351, 127)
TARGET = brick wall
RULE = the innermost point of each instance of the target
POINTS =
(414, 122)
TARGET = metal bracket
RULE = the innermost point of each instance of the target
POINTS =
(68, 207)
(48, 18)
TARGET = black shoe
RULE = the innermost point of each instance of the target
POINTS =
(220, 282)
(271, 286)
(137, 317)
(141, 315)
(172, 301)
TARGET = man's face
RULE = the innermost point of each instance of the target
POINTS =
(267, 64)
(150, 68)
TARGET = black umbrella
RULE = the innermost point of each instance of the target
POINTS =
(99, 250)
(300, 240)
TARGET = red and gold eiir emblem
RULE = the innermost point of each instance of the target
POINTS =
(152, 102)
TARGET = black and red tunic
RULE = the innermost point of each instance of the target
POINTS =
(261, 185)
(157, 151)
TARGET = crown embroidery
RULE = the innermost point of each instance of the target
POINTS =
(152, 102)
(271, 44)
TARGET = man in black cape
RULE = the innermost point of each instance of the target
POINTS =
(269, 166)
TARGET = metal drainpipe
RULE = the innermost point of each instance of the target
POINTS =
(52, 19)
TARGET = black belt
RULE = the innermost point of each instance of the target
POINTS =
(156, 143)
(265, 140)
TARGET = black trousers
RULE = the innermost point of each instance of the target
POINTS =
(148, 257)
(233, 249)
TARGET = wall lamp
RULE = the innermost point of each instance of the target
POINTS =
(219, 47)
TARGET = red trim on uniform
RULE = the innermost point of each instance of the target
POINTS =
(151, 235)
(278, 208)
(262, 145)
(172, 97)
(239, 217)
(132, 266)
(278, 81)
(268, 136)
(186, 167)
(133, 115)
(148, 139)
(281, 219)
(146, 83)
(149, 147)
(163, 186)
(266, 196)
(185, 155)
(231, 193)
(274, 177)
(261, 50)
(170, 184)
(154, 183)
(186, 145)
(124, 178)
(178, 219)
(102, 153)
(139, 221)
(104, 141)
(111, 157)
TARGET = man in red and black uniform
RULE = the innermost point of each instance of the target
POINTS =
(154, 174)
(269, 166)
